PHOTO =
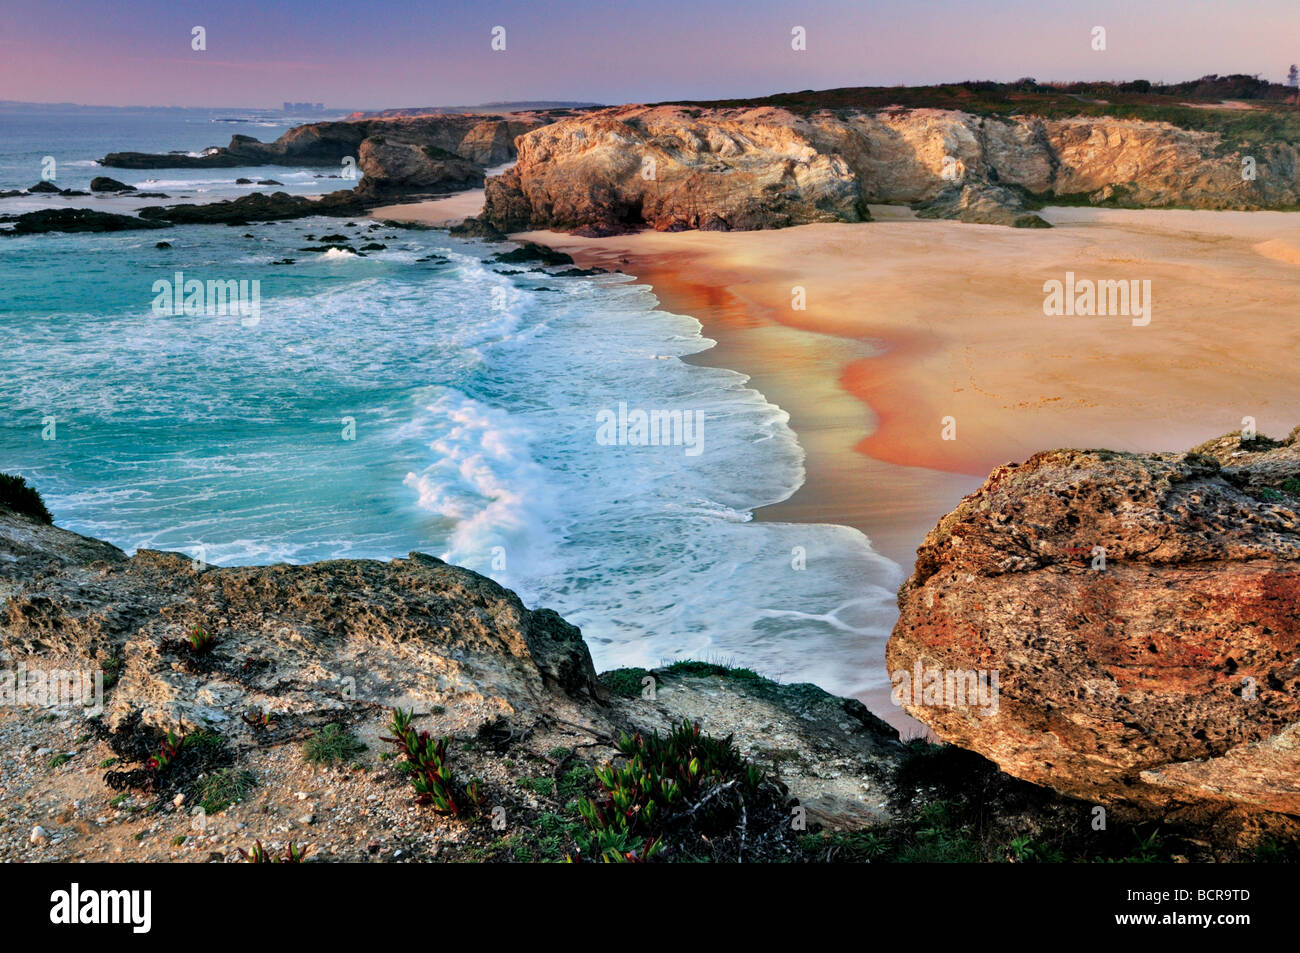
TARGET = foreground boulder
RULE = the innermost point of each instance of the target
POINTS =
(1141, 615)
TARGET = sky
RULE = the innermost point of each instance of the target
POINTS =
(367, 54)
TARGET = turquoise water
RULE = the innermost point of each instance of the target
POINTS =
(474, 397)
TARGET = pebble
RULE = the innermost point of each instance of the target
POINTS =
(38, 836)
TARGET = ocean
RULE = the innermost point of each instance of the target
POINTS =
(413, 397)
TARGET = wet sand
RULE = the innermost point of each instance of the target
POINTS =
(908, 322)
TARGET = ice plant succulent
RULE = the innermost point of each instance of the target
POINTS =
(426, 764)
(683, 778)
(259, 854)
(200, 640)
(167, 752)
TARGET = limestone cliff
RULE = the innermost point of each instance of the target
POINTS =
(673, 167)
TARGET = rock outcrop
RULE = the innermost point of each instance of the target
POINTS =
(1142, 615)
(75, 220)
(294, 640)
(258, 207)
(407, 170)
(483, 140)
(672, 167)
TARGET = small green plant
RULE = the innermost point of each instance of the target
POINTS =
(225, 787)
(179, 840)
(425, 763)
(625, 682)
(537, 785)
(200, 640)
(331, 745)
(108, 762)
(292, 854)
(58, 760)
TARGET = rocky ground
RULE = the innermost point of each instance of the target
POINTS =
(253, 704)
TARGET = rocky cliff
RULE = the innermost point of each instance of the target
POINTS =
(482, 140)
(1142, 615)
(675, 167)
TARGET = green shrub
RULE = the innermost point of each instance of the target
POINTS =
(16, 495)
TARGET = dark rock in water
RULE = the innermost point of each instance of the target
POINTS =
(102, 183)
(284, 261)
(43, 186)
(579, 272)
(268, 182)
(373, 246)
(151, 195)
(243, 181)
(163, 245)
(77, 220)
(249, 235)
(73, 193)
(11, 193)
(331, 238)
(474, 227)
(409, 226)
(530, 252)
(258, 207)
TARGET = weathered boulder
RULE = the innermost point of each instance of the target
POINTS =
(1142, 615)
(980, 205)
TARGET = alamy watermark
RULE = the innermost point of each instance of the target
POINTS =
(651, 428)
(43, 688)
(214, 298)
(1088, 298)
(946, 688)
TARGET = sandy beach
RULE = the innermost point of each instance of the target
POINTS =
(909, 322)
